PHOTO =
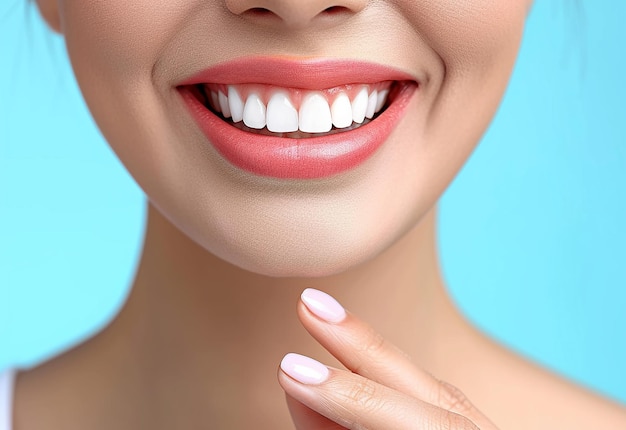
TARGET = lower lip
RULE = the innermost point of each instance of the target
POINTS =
(305, 158)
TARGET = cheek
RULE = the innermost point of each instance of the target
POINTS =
(477, 42)
(115, 34)
(469, 33)
(113, 46)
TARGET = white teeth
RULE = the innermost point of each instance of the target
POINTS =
(371, 105)
(254, 112)
(382, 99)
(235, 104)
(224, 105)
(315, 114)
(282, 117)
(341, 111)
(215, 101)
(359, 106)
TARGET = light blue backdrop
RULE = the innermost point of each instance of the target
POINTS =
(533, 230)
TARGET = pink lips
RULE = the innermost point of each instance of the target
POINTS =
(305, 158)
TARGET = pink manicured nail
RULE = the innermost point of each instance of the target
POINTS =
(323, 305)
(304, 369)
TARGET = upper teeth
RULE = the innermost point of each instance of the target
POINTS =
(318, 111)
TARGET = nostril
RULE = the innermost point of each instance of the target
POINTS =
(293, 16)
(259, 11)
(335, 10)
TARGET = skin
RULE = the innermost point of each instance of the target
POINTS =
(226, 254)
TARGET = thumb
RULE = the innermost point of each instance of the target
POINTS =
(305, 418)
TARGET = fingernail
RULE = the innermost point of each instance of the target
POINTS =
(323, 305)
(304, 369)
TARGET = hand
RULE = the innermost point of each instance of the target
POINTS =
(382, 390)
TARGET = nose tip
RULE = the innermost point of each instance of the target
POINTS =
(295, 14)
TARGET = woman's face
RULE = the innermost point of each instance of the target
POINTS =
(130, 59)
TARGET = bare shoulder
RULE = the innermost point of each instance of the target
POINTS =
(524, 395)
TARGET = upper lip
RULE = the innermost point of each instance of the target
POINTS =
(307, 73)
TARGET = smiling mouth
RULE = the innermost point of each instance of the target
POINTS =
(296, 113)
(297, 118)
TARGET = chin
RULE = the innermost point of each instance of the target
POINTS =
(306, 259)
(302, 255)
(293, 247)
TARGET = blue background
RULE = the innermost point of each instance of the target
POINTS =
(532, 233)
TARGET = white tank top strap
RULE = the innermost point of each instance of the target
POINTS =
(7, 380)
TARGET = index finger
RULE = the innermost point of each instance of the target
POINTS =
(364, 351)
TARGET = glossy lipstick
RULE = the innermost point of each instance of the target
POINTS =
(298, 158)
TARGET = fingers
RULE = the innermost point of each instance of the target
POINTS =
(365, 352)
(355, 402)
(361, 349)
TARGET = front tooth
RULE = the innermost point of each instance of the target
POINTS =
(235, 104)
(371, 105)
(341, 111)
(223, 100)
(315, 114)
(382, 99)
(215, 101)
(254, 112)
(359, 106)
(282, 117)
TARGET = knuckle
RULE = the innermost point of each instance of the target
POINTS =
(363, 394)
(374, 343)
(451, 398)
(371, 347)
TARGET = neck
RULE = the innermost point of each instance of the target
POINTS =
(208, 329)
